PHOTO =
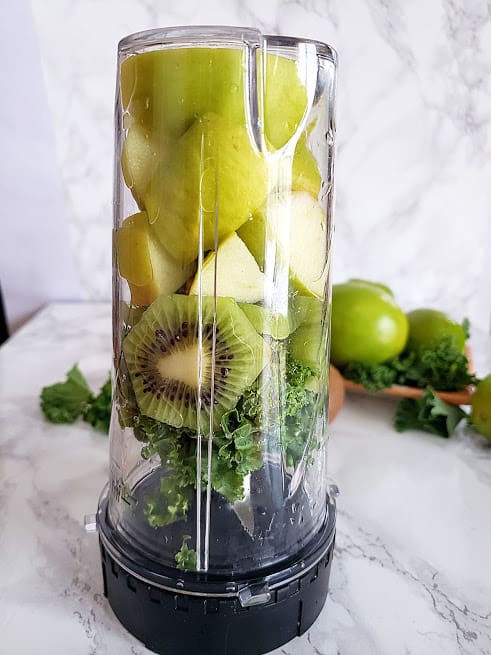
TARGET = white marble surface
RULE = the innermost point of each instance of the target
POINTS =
(414, 131)
(411, 574)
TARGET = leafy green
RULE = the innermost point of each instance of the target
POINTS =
(443, 367)
(186, 557)
(98, 411)
(236, 447)
(430, 414)
(170, 504)
(466, 326)
(297, 373)
(374, 377)
(65, 401)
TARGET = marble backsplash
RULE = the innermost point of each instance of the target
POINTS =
(413, 145)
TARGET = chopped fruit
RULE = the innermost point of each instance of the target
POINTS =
(172, 369)
(305, 242)
(147, 267)
(213, 175)
(235, 270)
(266, 322)
(305, 171)
(282, 119)
(139, 160)
(165, 90)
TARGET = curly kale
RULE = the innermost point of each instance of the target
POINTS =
(67, 401)
(98, 411)
(186, 557)
(236, 447)
(430, 414)
(374, 377)
(170, 504)
(443, 367)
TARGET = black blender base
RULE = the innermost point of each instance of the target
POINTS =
(172, 623)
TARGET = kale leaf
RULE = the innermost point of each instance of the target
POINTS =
(98, 410)
(170, 504)
(236, 447)
(186, 557)
(65, 401)
(374, 377)
(443, 367)
(430, 414)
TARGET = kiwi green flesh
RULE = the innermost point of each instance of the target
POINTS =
(161, 353)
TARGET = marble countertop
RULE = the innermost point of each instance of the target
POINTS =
(412, 571)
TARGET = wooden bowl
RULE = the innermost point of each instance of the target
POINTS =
(336, 392)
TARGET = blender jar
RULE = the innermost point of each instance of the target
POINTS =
(217, 519)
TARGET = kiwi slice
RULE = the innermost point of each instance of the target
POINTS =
(163, 356)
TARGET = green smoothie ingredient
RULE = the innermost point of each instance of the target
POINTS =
(481, 407)
(429, 414)
(367, 326)
(237, 444)
(213, 169)
(182, 364)
(164, 90)
(67, 401)
(427, 327)
(186, 557)
(442, 366)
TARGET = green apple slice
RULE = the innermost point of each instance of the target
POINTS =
(142, 261)
(165, 90)
(139, 160)
(282, 119)
(305, 170)
(237, 274)
(213, 176)
(296, 227)
(306, 310)
(266, 322)
(306, 345)
(306, 342)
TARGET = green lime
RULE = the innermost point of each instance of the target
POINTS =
(367, 325)
(427, 327)
(481, 407)
(374, 285)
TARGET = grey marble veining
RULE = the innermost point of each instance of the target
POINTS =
(410, 573)
(414, 117)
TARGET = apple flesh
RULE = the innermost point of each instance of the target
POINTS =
(146, 266)
(266, 322)
(296, 227)
(213, 176)
(305, 170)
(237, 274)
(307, 343)
(140, 157)
(165, 90)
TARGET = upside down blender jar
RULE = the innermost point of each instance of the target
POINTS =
(216, 527)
